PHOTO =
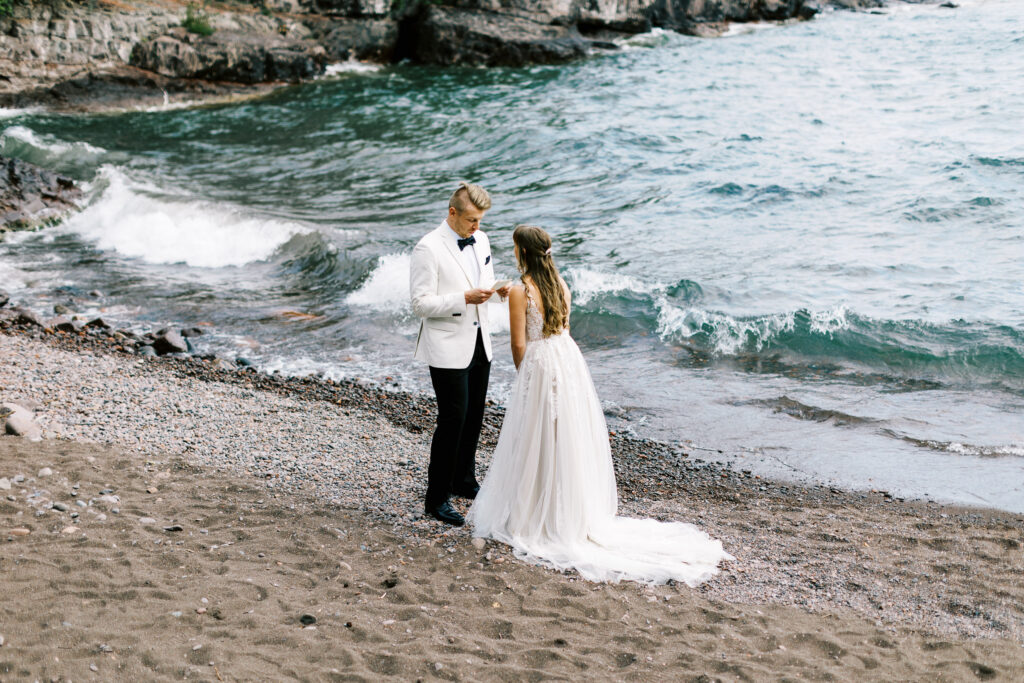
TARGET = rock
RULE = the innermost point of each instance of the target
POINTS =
(69, 530)
(108, 499)
(28, 319)
(479, 543)
(169, 342)
(65, 325)
(31, 196)
(98, 324)
(147, 350)
(60, 506)
(18, 421)
(61, 309)
(235, 56)
(361, 38)
(449, 35)
(4, 298)
(45, 472)
(5, 484)
(19, 531)
(191, 332)
(307, 619)
(244, 363)
(147, 520)
(174, 527)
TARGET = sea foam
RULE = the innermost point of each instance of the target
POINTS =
(130, 218)
(387, 290)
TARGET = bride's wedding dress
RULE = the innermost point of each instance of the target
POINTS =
(550, 490)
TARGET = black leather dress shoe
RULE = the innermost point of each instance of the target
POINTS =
(446, 513)
(467, 491)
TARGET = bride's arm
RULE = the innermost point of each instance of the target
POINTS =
(517, 323)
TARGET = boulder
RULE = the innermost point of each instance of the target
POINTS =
(449, 35)
(192, 332)
(27, 318)
(234, 56)
(362, 38)
(4, 298)
(19, 422)
(98, 324)
(31, 196)
(169, 342)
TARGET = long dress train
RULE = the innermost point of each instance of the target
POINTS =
(550, 489)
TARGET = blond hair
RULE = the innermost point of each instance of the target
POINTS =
(474, 194)
(537, 263)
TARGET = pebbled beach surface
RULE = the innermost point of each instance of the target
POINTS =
(194, 513)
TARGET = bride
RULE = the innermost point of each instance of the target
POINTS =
(550, 490)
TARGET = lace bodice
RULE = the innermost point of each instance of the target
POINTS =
(534, 319)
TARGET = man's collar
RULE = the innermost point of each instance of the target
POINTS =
(451, 230)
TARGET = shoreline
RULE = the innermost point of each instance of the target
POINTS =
(113, 57)
(935, 570)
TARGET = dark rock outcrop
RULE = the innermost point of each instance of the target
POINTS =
(31, 196)
(233, 56)
(169, 341)
(355, 38)
(449, 35)
(696, 16)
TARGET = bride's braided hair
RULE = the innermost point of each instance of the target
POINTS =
(537, 262)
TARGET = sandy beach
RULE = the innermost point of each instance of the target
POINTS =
(202, 522)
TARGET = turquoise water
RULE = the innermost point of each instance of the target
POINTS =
(798, 248)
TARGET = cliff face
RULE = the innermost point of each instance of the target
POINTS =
(56, 52)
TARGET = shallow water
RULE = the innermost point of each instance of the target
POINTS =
(798, 245)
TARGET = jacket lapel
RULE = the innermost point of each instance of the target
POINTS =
(453, 250)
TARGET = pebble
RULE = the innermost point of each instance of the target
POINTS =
(44, 472)
(60, 506)
(147, 520)
(479, 543)
(20, 532)
(69, 530)
(5, 484)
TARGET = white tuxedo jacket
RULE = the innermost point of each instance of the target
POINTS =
(438, 279)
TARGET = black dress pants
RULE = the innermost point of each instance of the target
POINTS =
(461, 394)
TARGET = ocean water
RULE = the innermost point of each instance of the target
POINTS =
(798, 248)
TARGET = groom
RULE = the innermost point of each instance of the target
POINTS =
(449, 280)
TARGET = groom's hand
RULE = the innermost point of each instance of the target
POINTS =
(478, 296)
(503, 292)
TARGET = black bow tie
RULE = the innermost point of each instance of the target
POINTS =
(466, 241)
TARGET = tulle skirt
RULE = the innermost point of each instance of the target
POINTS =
(550, 490)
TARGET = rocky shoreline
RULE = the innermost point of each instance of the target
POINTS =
(938, 570)
(68, 56)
